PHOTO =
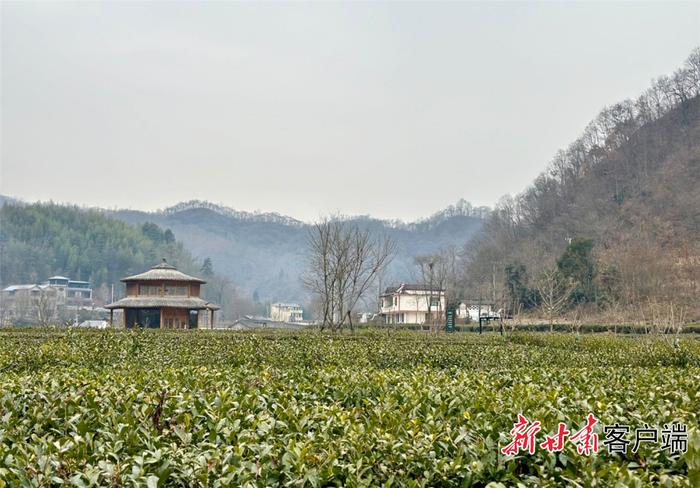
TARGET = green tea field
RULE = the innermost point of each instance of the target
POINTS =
(210, 408)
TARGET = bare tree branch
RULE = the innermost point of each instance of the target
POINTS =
(344, 263)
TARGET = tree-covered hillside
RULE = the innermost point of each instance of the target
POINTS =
(251, 259)
(40, 240)
(266, 254)
(616, 215)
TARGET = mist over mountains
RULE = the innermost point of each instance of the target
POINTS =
(264, 254)
(625, 192)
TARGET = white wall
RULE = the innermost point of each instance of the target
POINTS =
(472, 311)
(413, 305)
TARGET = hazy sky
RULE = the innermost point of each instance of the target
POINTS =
(392, 109)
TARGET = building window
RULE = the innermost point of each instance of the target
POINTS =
(149, 290)
(435, 303)
(176, 290)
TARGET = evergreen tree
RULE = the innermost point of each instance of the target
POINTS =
(577, 264)
(521, 296)
(40, 240)
(207, 269)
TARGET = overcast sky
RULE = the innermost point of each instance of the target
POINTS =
(389, 109)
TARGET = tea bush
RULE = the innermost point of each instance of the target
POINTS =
(210, 408)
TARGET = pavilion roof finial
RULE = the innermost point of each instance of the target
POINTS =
(163, 265)
(163, 271)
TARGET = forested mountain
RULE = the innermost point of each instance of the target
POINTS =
(41, 240)
(616, 214)
(613, 224)
(251, 258)
(4, 200)
(265, 254)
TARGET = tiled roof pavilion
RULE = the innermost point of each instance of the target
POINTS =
(163, 297)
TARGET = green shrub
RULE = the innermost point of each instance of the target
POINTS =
(208, 408)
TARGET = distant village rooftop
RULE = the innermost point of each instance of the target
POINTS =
(13, 288)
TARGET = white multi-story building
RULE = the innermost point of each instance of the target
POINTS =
(72, 293)
(45, 301)
(286, 312)
(408, 304)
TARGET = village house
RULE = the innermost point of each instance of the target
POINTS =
(473, 309)
(164, 298)
(408, 304)
(72, 293)
(286, 312)
(46, 301)
(29, 304)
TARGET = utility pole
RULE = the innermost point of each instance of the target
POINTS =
(493, 277)
(500, 315)
(480, 330)
(430, 296)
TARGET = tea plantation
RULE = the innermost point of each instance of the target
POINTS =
(207, 408)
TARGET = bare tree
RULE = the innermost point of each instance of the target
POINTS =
(320, 277)
(438, 276)
(22, 307)
(426, 268)
(554, 293)
(344, 263)
(45, 307)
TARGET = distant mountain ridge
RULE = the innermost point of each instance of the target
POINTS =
(272, 217)
(461, 208)
(264, 253)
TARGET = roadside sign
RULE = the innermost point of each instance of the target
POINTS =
(450, 325)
